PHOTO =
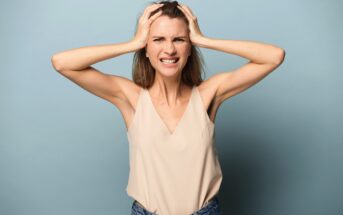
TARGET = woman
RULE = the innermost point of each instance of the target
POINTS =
(168, 109)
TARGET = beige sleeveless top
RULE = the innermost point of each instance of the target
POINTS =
(172, 173)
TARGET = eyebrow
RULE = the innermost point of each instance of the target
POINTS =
(174, 37)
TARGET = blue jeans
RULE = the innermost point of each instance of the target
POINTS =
(212, 208)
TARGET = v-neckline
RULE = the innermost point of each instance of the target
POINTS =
(180, 120)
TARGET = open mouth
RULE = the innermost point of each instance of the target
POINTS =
(169, 60)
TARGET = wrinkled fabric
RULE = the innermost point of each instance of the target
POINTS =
(172, 173)
(212, 208)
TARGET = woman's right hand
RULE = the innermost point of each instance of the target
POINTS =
(142, 33)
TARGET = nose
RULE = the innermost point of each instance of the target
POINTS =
(170, 48)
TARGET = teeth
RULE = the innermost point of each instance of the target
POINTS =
(168, 61)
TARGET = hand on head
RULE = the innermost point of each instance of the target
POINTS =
(144, 23)
(195, 34)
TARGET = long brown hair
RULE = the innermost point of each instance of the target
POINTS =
(143, 73)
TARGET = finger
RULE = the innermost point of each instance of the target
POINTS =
(150, 9)
(155, 11)
(187, 13)
(185, 7)
(188, 16)
(184, 10)
(155, 16)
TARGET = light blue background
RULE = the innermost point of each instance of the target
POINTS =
(65, 151)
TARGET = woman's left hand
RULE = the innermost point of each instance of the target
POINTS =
(195, 33)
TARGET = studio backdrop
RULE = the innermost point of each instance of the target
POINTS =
(280, 143)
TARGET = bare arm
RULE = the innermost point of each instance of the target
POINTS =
(264, 58)
(75, 64)
(81, 58)
(256, 52)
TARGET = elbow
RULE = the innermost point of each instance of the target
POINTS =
(56, 63)
(279, 56)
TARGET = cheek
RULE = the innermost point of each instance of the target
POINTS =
(151, 50)
(151, 54)
(187, 51)
(187, 48)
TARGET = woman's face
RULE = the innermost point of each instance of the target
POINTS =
(168, 46)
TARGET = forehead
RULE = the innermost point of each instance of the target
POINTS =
(166, 26)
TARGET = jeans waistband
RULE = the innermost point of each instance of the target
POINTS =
(209, 206)
(212, 202)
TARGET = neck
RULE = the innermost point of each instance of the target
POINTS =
(168, 90)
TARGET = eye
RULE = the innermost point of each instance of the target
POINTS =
(177, 39)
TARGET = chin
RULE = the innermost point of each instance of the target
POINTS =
(170, 72)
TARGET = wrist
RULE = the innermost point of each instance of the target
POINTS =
(201, 41)
(136, 45)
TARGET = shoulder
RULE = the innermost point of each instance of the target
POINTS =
(208, 93)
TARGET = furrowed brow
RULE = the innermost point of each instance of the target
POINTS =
(183, 37)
